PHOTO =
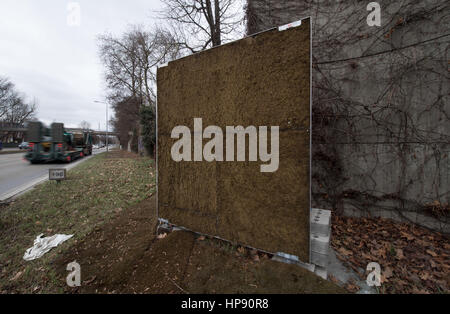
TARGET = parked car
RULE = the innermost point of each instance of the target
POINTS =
(24, 145)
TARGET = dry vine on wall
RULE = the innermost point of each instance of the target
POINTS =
(381, 113)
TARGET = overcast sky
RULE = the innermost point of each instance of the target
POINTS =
(57, 63)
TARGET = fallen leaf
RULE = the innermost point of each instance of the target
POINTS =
(344, 251)
(16, 276)
(378, 253)
(90, 280)
(352, 287)
(333, 279)
(399, 254)
(425, 276)
(432, 263)
(162, 235)
(432, 253)
(388, 272)
(408, 236)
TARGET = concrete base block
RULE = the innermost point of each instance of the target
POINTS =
(319, 259)
(320, 221)
(320, 239)
(321, 272)
(320, 244)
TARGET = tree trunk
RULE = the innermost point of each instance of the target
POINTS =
(217, 41)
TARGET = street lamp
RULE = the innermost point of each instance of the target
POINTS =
(102, 102)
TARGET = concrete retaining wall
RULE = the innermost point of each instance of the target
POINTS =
(381, 114)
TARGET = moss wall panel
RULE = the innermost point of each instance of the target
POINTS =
(262, 80)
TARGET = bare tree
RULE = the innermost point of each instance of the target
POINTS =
(126, 119)
(130, 73)
(14, 108)
(13, 105)
(200, 24)
(85, 125)
(131, 61)
(6, 90)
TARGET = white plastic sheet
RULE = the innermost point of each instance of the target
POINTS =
(43, 245)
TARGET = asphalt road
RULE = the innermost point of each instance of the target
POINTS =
(17, 174)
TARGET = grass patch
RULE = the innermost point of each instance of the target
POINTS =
(94, 193)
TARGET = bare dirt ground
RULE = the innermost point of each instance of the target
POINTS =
(126, 256)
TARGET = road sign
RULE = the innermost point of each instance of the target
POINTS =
(57, 174)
